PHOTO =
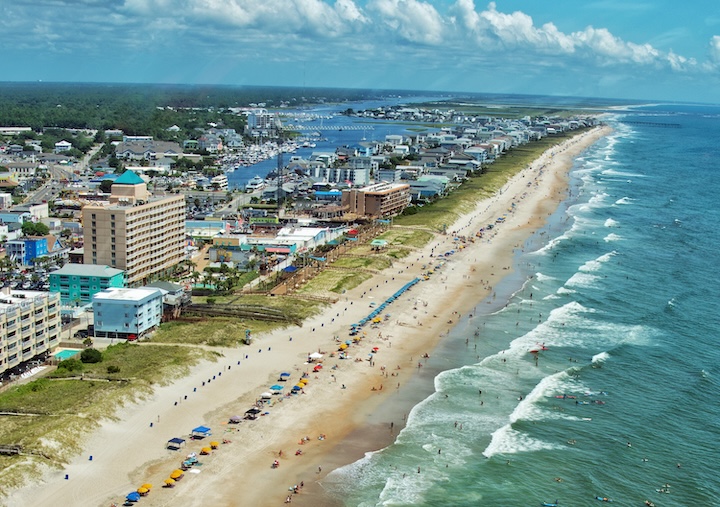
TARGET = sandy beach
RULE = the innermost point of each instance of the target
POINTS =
(344, 395)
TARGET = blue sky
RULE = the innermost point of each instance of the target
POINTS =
(638, 49)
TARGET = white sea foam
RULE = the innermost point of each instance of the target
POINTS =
(596, 264)
(506, 440)
(540, 277)
(613, 172)
(600, 358)
(565, 291)
(624, 200)
(612, 237)
(611, 223)
(584, 280)
(550, 297)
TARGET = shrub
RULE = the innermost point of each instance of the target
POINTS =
(211, 301)
(70, 365)
(113, 368)
(91, 356)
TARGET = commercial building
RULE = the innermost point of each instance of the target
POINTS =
(77, 283)
(29, 326)
(127, 313)
(377, 201)
(136, 232)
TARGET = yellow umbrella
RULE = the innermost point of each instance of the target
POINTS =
(176, 474)
(169, 481)
(206, 450)
(147, 486)
(377, 319)
(303, 381)
(214, 444)
(343, 346)
(142, 490)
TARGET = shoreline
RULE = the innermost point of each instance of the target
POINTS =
(240, 472)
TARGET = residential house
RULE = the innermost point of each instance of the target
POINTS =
(127, 313)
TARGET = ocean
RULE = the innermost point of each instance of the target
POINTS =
(616, 296)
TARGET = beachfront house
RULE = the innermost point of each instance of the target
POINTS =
(127, 314)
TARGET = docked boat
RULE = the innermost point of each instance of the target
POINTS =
(256, 183)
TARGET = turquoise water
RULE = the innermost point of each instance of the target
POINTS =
(66, 354)
(620, 287)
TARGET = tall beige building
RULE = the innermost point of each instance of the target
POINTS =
(136, 232)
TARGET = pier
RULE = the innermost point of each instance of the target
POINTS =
(334, 128)
(653, 124)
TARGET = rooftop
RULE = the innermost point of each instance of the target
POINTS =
(87, 270)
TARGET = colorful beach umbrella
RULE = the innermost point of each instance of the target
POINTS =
(177, 474)
(169, 481)
(147, 486)
(276, 387)
(285, 374)
(142, 490)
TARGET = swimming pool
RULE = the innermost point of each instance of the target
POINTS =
(66, 354)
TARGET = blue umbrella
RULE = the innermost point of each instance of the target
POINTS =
(284, 374)
(133, 497)
(276, 387)
(296, 388)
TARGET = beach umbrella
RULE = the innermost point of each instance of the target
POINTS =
(297, 388)
(133, 497)
(276, 387)
(375, 349)
(318, 367)
(142, 491)
(235, 419)
(176, 474)
(284, 374)
(147, 486)
(214, 444)
(315, 355)
(205, 450)
(169, 482)
(343, 346)
(266, 395)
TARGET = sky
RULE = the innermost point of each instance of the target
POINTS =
(647, 50)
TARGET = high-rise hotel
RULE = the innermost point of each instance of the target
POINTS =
(136, 232)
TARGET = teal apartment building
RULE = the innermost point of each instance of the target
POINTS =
(77, 283)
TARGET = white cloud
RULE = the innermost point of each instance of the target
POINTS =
(715, 49)
(411, 20)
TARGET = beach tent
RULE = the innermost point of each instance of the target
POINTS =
(200, 432)
(276, 387)
(235, 419)
(315, 355)
(266, 396)
(175, 443)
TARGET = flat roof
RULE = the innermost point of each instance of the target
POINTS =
(71, 269)
(118, 294)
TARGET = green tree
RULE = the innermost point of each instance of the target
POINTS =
(105, 186)
(35, 229)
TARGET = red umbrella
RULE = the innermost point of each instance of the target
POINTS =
(318, 367)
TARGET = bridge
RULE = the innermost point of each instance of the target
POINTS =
(320, 128)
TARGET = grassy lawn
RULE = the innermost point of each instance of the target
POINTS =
(332, 282)
(370, 262)
(405, 237)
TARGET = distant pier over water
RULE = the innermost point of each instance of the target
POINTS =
(653, 124)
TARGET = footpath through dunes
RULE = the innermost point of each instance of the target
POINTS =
(342, 396)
